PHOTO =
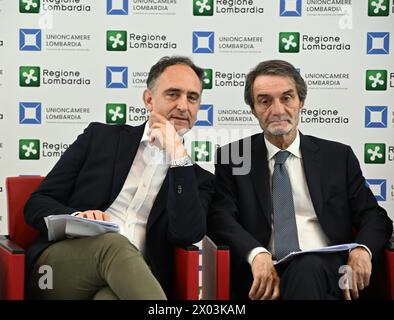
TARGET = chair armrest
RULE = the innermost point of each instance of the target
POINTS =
(389, 253)
(215, 271)
(186, 273)
(12, 266)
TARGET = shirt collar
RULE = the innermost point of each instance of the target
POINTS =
(294, 148)
(145, 135)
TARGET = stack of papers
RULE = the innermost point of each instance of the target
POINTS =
(66, 226)
(339, 247)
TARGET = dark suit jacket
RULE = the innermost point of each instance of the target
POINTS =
(240, 214)
(91, 174)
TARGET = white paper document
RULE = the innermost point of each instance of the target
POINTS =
(336, 248)
(66, 226)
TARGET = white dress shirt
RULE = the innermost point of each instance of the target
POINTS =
(310, 233)
(132, 206)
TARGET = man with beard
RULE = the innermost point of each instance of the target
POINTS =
(300, 193)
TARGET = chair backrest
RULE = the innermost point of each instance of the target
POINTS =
(19, 190)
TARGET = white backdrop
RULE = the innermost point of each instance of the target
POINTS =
(65, 63)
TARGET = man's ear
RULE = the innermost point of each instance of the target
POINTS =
(147, 97)
(301, 105)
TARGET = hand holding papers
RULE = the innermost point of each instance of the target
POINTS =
(66, 226)
(339, 247)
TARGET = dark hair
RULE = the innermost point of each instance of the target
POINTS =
(165, 62)
(274, 68)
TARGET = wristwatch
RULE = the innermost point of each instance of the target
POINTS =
(181, 162)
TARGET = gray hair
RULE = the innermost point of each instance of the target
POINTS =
(274, 68)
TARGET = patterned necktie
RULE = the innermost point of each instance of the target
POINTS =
(285, 228)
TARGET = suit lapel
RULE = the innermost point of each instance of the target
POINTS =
(312, 168)
(260, 175)
(129, 141)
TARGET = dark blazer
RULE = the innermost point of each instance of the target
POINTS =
(90, 175)
(240, 213)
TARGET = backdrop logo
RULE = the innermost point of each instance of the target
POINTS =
(138, 114)
(376, 117)
(29, 6)
(323, 115)
(50, 6)
(116, 40)
(67, 41)
(328, 8)
(202, 7)
(138, 78)
(117, 77)
(333, 79)
(30, 113)
(290, 8)
(203, 42)
(116, 113)
(292, 42)
(376, 80)
(378, 42)
(150, 41)
(205, 115)
(207, 79)
(235, 115)
(156, 7)
(378, 8)
(375, 153)
(30, 39)
(117, 7)
(229, 79)
(289, 42)
(29, 149)
(378, 188)
(29, 76)
(201, 150)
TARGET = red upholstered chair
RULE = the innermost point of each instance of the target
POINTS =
(21, 236)
(216, 273)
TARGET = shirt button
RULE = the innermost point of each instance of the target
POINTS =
(179, 188)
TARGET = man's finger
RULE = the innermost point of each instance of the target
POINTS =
(269, 288)
(261, 290)
(253, 289)
(98, 215)
(354, 289)
(276, 293)
(346, 294)
(89, 215)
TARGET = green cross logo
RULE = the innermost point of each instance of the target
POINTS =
(375, 153)
(202, 7)
(29, 6)
(116, 40)
(378, 8)
(29, 76)
(29, 149)
(207, 79)
(376, 80)
(289, 42)
(201, 150)
(116, 113)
